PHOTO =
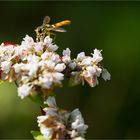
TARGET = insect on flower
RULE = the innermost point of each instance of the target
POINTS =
(46, 28)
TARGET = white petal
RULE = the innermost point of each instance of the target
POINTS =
(91, 69)
(6, 66)
(97, 56)
(17, 67)
(41, 119)
(77, 114)
(52, 47)
(106, 75)
(55, 58)
(38, 47)
(28, 41)
(33, 67)
(50, 64)
(24, 91)
(50, 102)
(66, 59)
(87, 61)
(51, 111)
(45, 82)
(48, 40)
(72, 65)
(60, 67)
(58, 77)
(74, 133)
(67, 52)
(81, 56)
(47, 132)
(44, 55)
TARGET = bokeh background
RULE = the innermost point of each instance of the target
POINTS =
(112, 109)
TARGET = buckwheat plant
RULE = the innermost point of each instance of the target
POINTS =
(36, 68)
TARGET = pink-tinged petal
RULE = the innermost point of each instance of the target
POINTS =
(91, 80)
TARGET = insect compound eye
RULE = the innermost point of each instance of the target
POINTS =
(40, 29)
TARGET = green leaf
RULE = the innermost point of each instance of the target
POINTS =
(38, 136)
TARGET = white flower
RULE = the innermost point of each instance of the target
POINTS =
(50, 102)
(97, 56)
(87, 61)
(81, 56)
(24, 90)
(52, 47)
(76, 113)
(18, 50)
(98, 70)
(78, 122)
(86, 73)
(17, 67)
(79, 126)
(66, 56)
(66, 59)
(6, 66)
(91, 69)
(72, 65)
(74, 133)
(47, 132)
(50, 111)
(46, 81)
(58, 77)
(33, 58)
(30, 68)
(50, 64)
(67, 52)
(57, 121)
(47, 40)
(38, 47)
(60, 67)
(55, 58)
(95, 70)
(44, 55)
(106, 75)
(28, 42)
(90, 78)
(41, 119)
(37, 64)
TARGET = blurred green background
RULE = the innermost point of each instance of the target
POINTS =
(112, 109)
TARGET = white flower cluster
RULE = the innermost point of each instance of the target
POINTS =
(60, 124)
(36, 66)
(31, 65)
(85, 68)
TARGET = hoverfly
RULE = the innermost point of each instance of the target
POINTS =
(46, 28)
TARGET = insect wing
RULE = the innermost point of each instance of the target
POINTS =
(59, 29)
(46, 20)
